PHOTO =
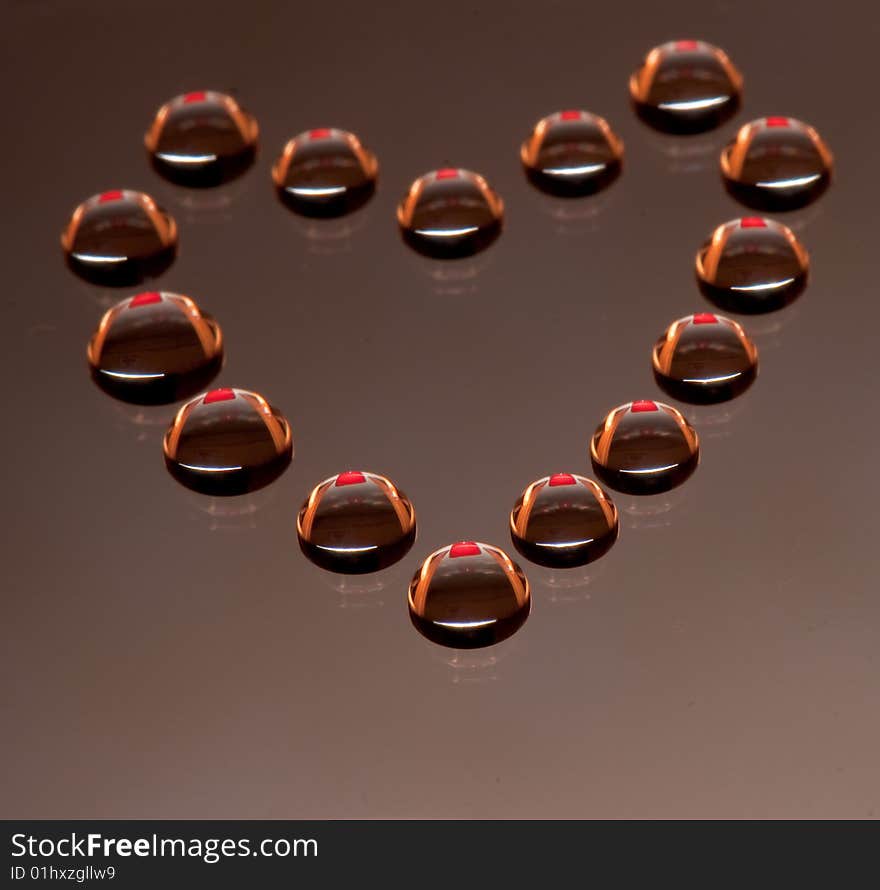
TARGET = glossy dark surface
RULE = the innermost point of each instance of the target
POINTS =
(450, 213)
(686, 86)
(704, 358)
(752, 265)
(356, 522)
(325, 172)
(155, 347)
(119, 238)
(562, 521)
(172, 655)
(572, 153)
(202, 138)
(776, 163)
(227, 442)
(644, 447)
(468, 595)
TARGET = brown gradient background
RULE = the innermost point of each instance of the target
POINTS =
(165, 656)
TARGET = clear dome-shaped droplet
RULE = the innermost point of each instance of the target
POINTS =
(468, 595)
(227, 442)
(572, 153)
(155, 348)
(325, 172)
(202, 139)
(562, 521)
(705, 358)
(776, 163)
(752, 265)
(686, 86)
(450, 213)
(119, 239)
(644, 447)
(355, 523)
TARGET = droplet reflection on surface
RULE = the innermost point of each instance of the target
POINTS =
(686, 86)
(155, 348)
(227, 442)
(450, 213)
(468, 595)
(325, 172)
(572, 153)
(202, 139)
(119, 239)
(752, 265)
(705, 358)
(562, 521)
(355, 523)
(776, 163)
(644, 447)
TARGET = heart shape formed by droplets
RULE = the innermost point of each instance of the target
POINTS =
(159, 347)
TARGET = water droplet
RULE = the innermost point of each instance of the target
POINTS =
(563, 521)
(776, 163)
(705, 358)
(202, 139)
(355, 523)
(155, 348)
(644, 447)
(686, 86)
(469, 595)
(752, 265)
(227, 442)
(450, 213)
(572, 153)
(119, 239)
(325, 172)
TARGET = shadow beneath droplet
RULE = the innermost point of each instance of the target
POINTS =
(145, 423)
(105, 298)
(575, 217)
(330, 236)
(203, 206)
(687, 154)
(369, 591)
(767, 329)
(452, 277)
(231, 514)
(471, 667)
(563, 586)
(357, 591)
(799, 220)
(714, 421)
(641, 512)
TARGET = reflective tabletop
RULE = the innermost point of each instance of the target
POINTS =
(172, 654)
